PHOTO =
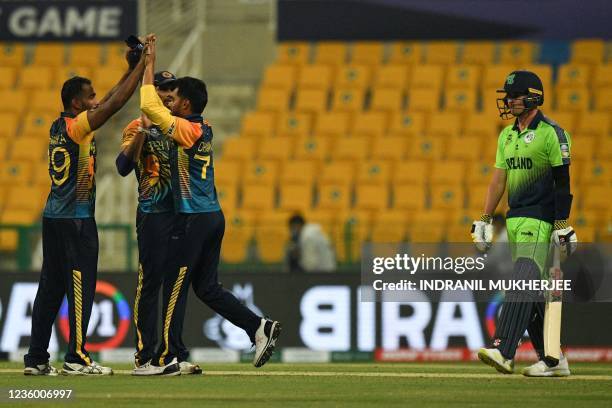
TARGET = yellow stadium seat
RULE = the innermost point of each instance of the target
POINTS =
(326, 219)
(573, 99)
(391, 76)
(566, 120)
(389, 148)
(24, 197)
(337, 173)
(605, 149)
(239, 148)
(465, 148)
(409, 197)
(602, 76)
(406, 52)
(294, 124)
(334, 197)
(423, 100)
(353, 76)
(387, 99)
(478, 52)
(227, 194)
(489, 97)
(114, 55)
(373, 197)
(427, 76)
(15, 173)
(46, 102)
(258, 196)
(261, 173)
(596, 173)
(298, 172)
(8, 76)
(107, 78)
(8, 238)
(390, 227)
(29, 148)
(4, 149)
(296, 197)
(35, 124)
(426, 149)
(238, 235)
(330, 52)
(460, 100)
(352, 148)
(588, 51)
(50, 54)
(348, 100)
(411, 172)
(309, 148)
(374, 172)
(479, 172)
(85, 54)
(444, 124)
(271, 237)
(441, 52)
(277, 149)
(545, 73)
(9, 125)
(258, 124)
(62, 74)
(367, 52)
(35, 78)
(593, 124)
(476, 195)
(479, 125)
(494, 76)
(280, 76)
(228, 171)
(447, 197)
(573, 76)
(293, 52)
(370, 124)
(603, 99)
(516, 52)
(273, 99)
(332, 124)
(463, 77)
(596, 198)
(407, 124)
(354, 229)
(311, 100)
(12, 54)
(583, 148)
(447, 172)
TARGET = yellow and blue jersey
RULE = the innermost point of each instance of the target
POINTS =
(72, 168)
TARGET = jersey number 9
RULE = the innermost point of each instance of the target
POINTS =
(62, 170)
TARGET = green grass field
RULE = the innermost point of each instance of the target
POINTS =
(351, 384)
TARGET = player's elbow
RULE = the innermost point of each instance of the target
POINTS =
(124, 165)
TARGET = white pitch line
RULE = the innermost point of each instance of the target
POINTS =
(491, 376)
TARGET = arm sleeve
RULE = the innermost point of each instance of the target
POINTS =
(500, 160)
(563, 197)
(78, 127)
(124, 164)
(558, 147)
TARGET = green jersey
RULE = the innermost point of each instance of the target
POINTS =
(528, 158)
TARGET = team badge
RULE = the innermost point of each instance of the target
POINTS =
(529, 137)
(564, 150)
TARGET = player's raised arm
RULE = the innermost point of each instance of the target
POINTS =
(131, 145)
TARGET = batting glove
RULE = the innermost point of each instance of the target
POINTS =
(482, 233)
(565, 238)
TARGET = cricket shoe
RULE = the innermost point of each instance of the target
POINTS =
(41, 369)
(493, 357)
(265, 341)
(170, 369)
(81, 369)
(188, 368)
(540, 369)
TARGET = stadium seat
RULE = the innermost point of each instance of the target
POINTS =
(478, 52)
(423, 100)
(389, 148)
(227, 194)
(460, 100)
(463, 77)
(293, 53)
(62, 74)
(516, 52)
(296, 197)
(426, 149)
(49, 54)
(8, 238)
(49, 102)
(37, 124)
(596, 198)
(573, 76)
(273, 99)
(258, 196)
(326, 219)
(105, 79)
(294, 124)
(428, 227)
(447, 172)
(280, 76)
(8, 76)
(334, 197)
(354, 228)
(237, 237)
(9, 126)
(29, 148)
(573, 99)
(447, 197)
(409, 197)
(260, 173)
(390, 227)
(427, 76)
(444, 124)
(480, 125)
(337, 173)
(441, 52)
(298, 172)
(479, 173)
(602, 76)
(276, 149)
(604, 152)
(353, 76)
(374, 172)
(309, 148)
(311, 100)
(114, 56)
(315, 77)
(596, 173)
(85, 54)
(387, 99)
(595, 124)
(352, 148)
(35, 78)
(545, 73)
(369, 124)
(494, 76)
(348, 100)
(411, 172)
(476, 195)
(15, 173)
(468, 148)
(333, 124)
(4, 148)
(258, 124)
(566, 120)
(372, 197)
(271, 237)
(583, 148)
(25, 197)
(603, 99)
(240, 149)
(588, 51)
(228, 171)
(367, 52)
(407, 124)
(405, 52)
(391, 76)
(330, 52)
(12, 54)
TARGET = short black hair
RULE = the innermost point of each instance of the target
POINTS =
(194, 90)
(297, 219)
(73, 88)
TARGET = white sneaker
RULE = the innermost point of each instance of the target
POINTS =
(540, 369)
(189, 368)
(80, 369)
(265, 341)
(493, 357)
(148, 368)
(41, 369)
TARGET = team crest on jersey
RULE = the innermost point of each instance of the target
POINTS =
(529, 137)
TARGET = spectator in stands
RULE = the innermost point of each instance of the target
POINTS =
(309, 247)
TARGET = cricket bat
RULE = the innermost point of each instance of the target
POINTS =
(552, 312)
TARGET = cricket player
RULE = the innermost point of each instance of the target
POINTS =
(70, 236)
(533, 158)
(146, 151)
(201, 221)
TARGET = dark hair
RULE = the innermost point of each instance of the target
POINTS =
(73, 88)
(297, 219)
(194, 90)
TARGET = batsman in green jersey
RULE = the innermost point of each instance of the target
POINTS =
(533, 158)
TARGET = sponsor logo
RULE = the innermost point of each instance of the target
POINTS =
(527, 233)
(564, 150)
(510, 79)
